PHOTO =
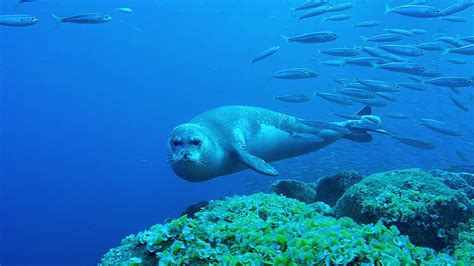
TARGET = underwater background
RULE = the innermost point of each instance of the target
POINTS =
(86, 111)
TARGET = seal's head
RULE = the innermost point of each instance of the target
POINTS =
(192, 152)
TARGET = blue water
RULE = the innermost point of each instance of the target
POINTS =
(87, 111)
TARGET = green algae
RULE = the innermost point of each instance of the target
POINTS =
(266, 229)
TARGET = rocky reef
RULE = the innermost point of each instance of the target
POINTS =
(420, 205)
(387, 218)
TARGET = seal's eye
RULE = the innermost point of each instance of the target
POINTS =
(196, 142)
(176, 143)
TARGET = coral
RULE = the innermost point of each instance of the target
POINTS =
(294, 189)
(267, 229)
(330, 188)
(421, 206)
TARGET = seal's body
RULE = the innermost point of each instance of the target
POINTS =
(229, 139)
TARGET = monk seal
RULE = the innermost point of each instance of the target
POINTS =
(229, 139)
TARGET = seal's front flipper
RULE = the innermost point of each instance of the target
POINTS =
(257, 164)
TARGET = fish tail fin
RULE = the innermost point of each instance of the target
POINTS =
(58, 19)
(285, 38)
(446, 51)
(366, 110)
(364, 38)
(270, 77)
(374, 65)
(387, 9)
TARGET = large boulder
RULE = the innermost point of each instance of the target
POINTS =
(294, 189)
(330, 188)
(420, 205)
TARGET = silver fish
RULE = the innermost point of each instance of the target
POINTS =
(266, 53)
(458, 61)
(311, 4)
(457, 7)
(88, 18)
(420, 144)
(341, 7)
(401, 31)
(335, 98)
(338, 17)
(413, 86)
(431, 46)
(387, 37)
(378, 86)
(454, 19)
(468, 39)
(429, 73)
(126, 10)
(403, 67)
(405, 50)
(450, 40)
(313, 37)
(357, 93)
(335, 62)
(18, 20)
(366, 61)
(373, 51)
(462, 155)
(295, 73)
(314, 12)
(296, 98)
(341, 51)
(465, 50)
(366, 24)
(459, 103)
(417, 11)
(418, 31)
(451, 82)
(440, 127)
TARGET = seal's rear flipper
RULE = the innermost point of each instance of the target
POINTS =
(359, 137)
(257, 164)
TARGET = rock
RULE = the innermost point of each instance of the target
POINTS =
(294, 189)
(456, 180)
(192, 209)
(415, 201)
(330, 188)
